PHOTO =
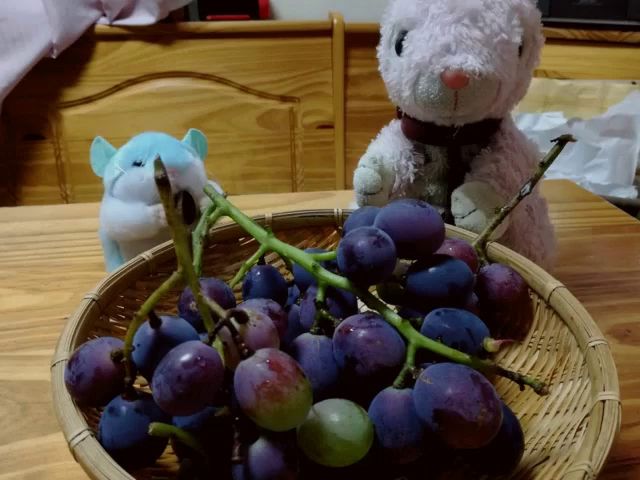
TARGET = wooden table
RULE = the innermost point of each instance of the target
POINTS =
(50, 256)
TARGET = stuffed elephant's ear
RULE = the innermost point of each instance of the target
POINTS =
(196, 140)
(101, 154)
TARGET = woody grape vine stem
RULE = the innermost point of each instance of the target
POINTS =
(480, 243)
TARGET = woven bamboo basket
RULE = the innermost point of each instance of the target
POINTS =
(568, 433)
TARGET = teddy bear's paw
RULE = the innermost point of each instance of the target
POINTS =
(369, 187)
(473, 206)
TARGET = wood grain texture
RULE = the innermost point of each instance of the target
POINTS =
(264, 97)
(50, 256)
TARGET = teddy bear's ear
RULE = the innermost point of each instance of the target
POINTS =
(101, 153)
(196, 140)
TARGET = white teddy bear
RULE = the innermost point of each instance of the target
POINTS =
(455, 69)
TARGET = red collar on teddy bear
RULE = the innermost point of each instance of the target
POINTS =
(429, 133)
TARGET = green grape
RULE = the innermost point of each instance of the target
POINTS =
(336, 433)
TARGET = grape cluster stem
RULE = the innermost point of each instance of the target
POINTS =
(323, 276)
(481, 241)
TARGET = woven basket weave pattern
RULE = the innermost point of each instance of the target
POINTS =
(568, 433)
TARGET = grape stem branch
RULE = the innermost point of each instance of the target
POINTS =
(180, 241)
(207, 220)
(480, 243)
(322, 275)
(246, 266)
(159, 429)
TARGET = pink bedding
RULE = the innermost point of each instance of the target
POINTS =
(33, 29)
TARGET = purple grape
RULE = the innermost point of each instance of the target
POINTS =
(440, 281)
(304, 279)
(188, 378)
(473, 305)
(259, 332)
(92, 376)
(415, 227)
(213, 431)
(362, 217)
(271, 309)
(314, 353)
(293, 295)
(368, 348)
(272, 390)
(505, 304)
(265, 281)
(340, 303)
(367, 256)
(153, 341)
(462, 250)
(294, 328)
(458, 404)
(123, 430)
(398, 428)
(503, 454)
(457, 329)
(270, 458)
(411, 313)
(215, 289)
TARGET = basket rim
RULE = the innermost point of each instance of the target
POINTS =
(604, 418)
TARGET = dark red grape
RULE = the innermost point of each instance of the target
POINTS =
(265, 281)
(314, 353)
(188, 378)
(505, 304)
(458, 404)
(215, 289)
(440, 281)
(362, 217)
(123, 430)
(271, 309)
(259, 332)
(340, 303)
(462, 250)
(415, 227)
(503, 454)
(367, 256)
(92, 376)
(271, 458)
(399, 431)
(304, 279)
(152, 342)
(457, 329)
(272, 390)
(369, 350)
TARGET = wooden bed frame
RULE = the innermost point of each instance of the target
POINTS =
(286, 106)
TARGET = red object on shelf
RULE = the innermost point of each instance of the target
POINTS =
(263, 7)
(227, 18)
(226, 10)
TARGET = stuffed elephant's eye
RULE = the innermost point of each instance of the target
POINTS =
(520, 50)
(137, 163)
(400, 42)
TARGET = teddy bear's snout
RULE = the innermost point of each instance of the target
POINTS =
(455, 79)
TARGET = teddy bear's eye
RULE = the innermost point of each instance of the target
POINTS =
(400, 42)
(520, 50)
(137, 163)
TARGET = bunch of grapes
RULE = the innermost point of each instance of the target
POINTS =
(300, 380)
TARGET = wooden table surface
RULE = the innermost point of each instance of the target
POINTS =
(50, 256)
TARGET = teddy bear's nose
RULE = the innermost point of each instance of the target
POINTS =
(455, 79)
